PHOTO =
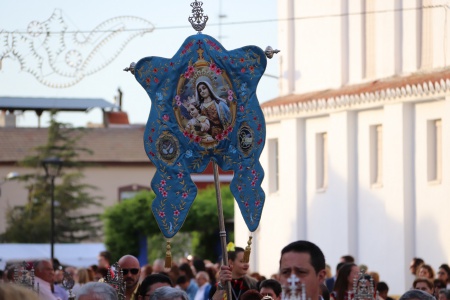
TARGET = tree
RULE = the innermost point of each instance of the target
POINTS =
(31, 223)
(131, 219)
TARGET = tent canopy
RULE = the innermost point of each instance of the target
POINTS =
(77, 255)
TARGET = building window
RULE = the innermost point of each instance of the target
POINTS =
(376, 155)
(434, 150)
(129, 191)
(321, 160)
(273, 166)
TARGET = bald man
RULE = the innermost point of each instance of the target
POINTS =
(131, 273)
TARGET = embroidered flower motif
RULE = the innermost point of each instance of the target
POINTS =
(253, 183)
(230, 92)
(148, 80)
(176, 213)
(230, 98)
(164, 194)
(259, 127)
(180, 175)
(156, 80)
(241, 108)
(242, 60)
(219, 137)
(177, 97)
(178, 103)
(218, 71)
(151, 153)
(166, 118)
(160, 189)
(260, 141)
(191, 69)
(239, 188)
(253, 172)
(212, 67)
(161, 214)
(251, 68)
(240, 167)
(188, 153)
(243, 70)
(186, 133)
(184, 195)
(197, 139)
(155, 70)
(246, 204)
(187, 74)
(257, 203)
(163, 182)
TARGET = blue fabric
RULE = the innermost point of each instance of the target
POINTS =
(185, 130)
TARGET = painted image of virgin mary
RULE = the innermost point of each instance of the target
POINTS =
(212, 106)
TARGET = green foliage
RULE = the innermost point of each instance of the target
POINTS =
(31, 223)
(127, 221)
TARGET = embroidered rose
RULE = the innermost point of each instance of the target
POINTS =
(176, 212)
(164, 194)
(163, 182)
(161, 214)
(184, 195)
(166, 118)
(180, 175)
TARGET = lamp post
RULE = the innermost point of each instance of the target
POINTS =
(52, 167)
(10, 176)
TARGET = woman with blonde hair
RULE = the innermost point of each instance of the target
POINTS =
(83, 276)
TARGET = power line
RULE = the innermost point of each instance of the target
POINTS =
(249, 22)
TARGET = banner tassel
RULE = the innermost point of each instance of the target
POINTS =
(168, 262)
(247, 250)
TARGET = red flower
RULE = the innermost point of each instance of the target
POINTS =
(253, 172)
(219, 137)
(230, 129)
(164, 194)
(184, 51)
(161, 214)
(255, 118)
(156, 80)
(191, 136)
(151, 153)
(253, 183)
(251, 68)
(148, 80)
(239, 188)
(197, 139)
(186, 133)
(187, 74)
(180, 175)
(153, 129)
(171, 64)
(163, 182)
(191, 69)
(240, 167)
(213, 66)
(243, 70)
(166, 118)
(260, 141)
(155, 70)
(218, 71)
(184, 195)
(176, 212)
(160, 189)
(246, 204)
(165, 70)
(257, 202)
(241, 59)
(241, 108)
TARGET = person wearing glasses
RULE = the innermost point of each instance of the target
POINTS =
(271, 288)
(131, 273)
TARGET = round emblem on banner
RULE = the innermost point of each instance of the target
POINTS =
(246, 138)
(168, 147)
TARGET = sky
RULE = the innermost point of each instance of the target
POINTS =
(245, 22)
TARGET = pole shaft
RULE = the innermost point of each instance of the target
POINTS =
(52, 231)
(223, 233)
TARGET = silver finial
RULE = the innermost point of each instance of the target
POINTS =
(198, 19)
(68, 284)
(116, 280)
(293, 291)
(270, 52)
(130, 68)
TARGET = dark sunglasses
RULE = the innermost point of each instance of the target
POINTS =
(133, 271)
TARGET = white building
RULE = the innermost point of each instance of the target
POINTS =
(358, 142)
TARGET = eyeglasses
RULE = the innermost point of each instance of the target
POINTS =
(133, 271)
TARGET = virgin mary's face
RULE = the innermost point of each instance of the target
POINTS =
(203, 90)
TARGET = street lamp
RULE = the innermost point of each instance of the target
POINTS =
(52, 166)
(9, 176)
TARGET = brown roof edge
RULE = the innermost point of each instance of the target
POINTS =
(362, 88)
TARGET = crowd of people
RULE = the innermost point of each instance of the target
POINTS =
(302, 264)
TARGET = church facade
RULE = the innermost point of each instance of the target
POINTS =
(357, 149)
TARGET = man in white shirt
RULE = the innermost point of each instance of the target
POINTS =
(204, 286)
(45, 276)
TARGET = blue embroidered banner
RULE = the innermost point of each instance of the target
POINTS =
(204, 107)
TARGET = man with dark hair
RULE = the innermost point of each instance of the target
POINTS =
(151, 283)
(104, 259)
(329, 282)
(306, 261)
(346, 259)
(383, 290)
(270, 287)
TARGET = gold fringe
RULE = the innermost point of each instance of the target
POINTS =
(247, 250)
(168, 262)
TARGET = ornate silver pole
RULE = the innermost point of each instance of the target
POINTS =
(222, 232)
